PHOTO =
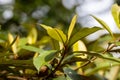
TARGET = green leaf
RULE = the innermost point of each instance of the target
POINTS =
(72, 75)
(117, 43)
(81, 34)
(104, 25)
(16, 62)
(116, 14)
(32, 48)
(55, 33)
(32, 36)
(71, 27)
(100, 66)
(59, 78)
(4, 35)
(100, 55)
(22, 41)
(73, 57)
(43, 59)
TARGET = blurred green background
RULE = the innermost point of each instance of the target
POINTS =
(17, 16)
(20, 16)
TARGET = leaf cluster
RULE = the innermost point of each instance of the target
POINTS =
(60, 55)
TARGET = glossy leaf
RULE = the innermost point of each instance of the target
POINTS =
(71, 74)
(32, 37)
(104, 25)
(79, 46)
(116, 14)
(81, 34)
(43, 59)
(55, 33)
(72, 25)
(13, 42)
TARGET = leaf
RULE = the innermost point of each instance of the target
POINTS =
(44, 40)
(116, 43)
(100, 55)
(72, 59)
(22, 41)
(79, 46)
(71, 27)
(100, 66)
(16, 62)
(72, 75)
(81, 34)
(69, 57)
(32, 37)
(58, 78)
(13, 42)
(116, 14)
(104, 25)
(32, 48)
(55, 44)
(43, 59)
(4, 35)
(55, 33)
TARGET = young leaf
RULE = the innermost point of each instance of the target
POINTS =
(71, 27)
(104, 25)
(116, 14)
(81, 34)
(80, 46)
(13, 43)
(55, 33)
(43, 59)
(32, 37)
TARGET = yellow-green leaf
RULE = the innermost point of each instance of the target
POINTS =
(32, 37)
(71, 27)
(55, 33)
(116, 14)
(104, 25)
(80, 46)
(13, 43)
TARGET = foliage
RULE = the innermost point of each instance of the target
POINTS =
(59, 55)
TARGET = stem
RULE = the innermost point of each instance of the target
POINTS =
(86, 63)
(73, 61)
(58, 65)
(110, 46)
